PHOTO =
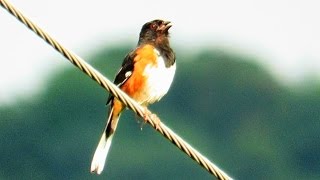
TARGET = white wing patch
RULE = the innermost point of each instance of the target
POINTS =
(128, 74)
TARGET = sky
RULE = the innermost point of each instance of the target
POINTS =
(282, 34)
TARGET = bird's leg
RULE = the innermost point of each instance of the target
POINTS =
(156, 119)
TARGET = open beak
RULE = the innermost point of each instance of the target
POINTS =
(165, 26)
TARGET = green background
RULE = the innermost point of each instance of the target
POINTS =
(224, 104)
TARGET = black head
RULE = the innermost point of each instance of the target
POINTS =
(155, 31)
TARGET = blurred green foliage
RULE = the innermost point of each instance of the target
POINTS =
(222, 103)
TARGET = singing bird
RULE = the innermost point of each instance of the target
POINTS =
(146, 76)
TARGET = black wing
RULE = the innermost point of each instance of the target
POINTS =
(124, 73)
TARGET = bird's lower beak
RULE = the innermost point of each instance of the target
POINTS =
(165, 26)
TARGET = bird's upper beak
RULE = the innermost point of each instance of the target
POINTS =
(165, 26)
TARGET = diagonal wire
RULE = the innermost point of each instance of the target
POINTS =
(109, 86)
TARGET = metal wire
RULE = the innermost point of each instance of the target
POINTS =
(109, 86)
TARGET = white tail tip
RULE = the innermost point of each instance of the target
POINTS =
(100, 154)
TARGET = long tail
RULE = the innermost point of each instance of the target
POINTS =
(102, 150)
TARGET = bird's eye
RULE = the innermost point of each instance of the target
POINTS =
(153, 26)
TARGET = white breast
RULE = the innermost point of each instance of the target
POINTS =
(159, 80)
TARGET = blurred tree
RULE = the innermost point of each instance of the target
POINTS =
(228, 107)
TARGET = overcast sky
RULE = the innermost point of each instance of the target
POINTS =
(283, 34)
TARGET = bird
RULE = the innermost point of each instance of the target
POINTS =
(146, 75)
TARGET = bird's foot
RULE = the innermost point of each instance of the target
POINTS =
(152, 116)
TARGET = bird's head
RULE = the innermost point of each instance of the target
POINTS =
(156, 31)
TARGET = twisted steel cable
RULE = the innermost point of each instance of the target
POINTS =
(109, 86)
